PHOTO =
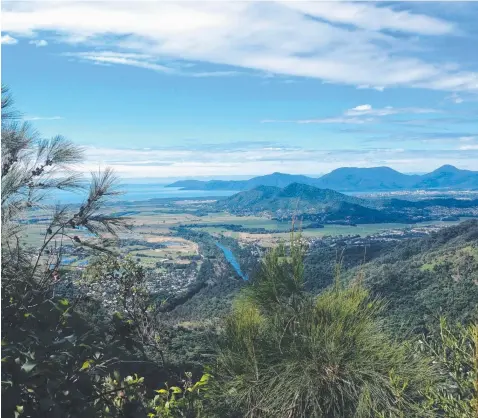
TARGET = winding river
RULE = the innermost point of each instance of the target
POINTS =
(232, 260)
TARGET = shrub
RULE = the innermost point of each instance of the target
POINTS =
(285, 353)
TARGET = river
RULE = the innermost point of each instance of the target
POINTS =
(232, 260)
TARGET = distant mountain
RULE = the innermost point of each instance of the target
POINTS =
(447, 177)
(295, 196)
(350, 179)
(188, 184)
(311, 203)
(274, 179)
(375, 178)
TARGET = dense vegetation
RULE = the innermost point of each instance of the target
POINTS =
(327, 206)
(285, 352)
(425, 278)
(296, 196)
(298, 340)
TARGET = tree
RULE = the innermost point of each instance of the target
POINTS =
(286, 353)
(53, 362)
(455, 351)
(56, 362)
(135, 317)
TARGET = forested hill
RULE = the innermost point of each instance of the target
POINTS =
(419, 279)
(422, 279)
(350, 179)
(329, 206)
(295, 198)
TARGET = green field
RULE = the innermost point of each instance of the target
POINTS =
(330, 230)
(153, 224)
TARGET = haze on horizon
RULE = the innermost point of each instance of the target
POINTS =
(228, 89)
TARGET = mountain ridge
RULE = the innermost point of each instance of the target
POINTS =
(349, 179)
(326, 205)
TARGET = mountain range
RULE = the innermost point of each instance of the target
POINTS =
(348, 179)
(327, 205)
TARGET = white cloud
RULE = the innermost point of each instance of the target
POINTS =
(470, 143)
(359, 115)
(30, 118)
(216, 74)
(455, 98)
(8, 40)
(368, 86)
(261, 36)
(387, 110)
(339, 120)
(362, 108)
(135, 60)
(38, 42)
(182, 162)
(369, 16)
(146, 61)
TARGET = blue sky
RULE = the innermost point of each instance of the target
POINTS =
(183, 89)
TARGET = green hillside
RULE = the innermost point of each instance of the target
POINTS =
(293, 198)
(424, 278)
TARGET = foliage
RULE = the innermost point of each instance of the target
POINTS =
(455, 351)
(121, 282)
(174, 401)
(282, 352)
(293, 199)
(54, 362)
(285, 353)
(423, 279)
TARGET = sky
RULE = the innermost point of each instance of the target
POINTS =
(221, 89)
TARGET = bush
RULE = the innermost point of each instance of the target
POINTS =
(285, 353)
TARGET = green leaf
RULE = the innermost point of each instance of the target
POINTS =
(86, 365)
(175, 389)
(20, 409)
(28, 366)
(85, 346)
(64, 302)
(161, 391)
(205, 377)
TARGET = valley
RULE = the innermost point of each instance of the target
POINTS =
(180, 241)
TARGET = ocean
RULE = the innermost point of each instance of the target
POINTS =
(138, 192)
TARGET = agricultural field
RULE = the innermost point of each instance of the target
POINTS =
(154, 241)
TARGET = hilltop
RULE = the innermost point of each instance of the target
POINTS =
(350, 179)
(375, 178)
(329, 206)
(448, 176)
(294, 197)
(311, 203)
